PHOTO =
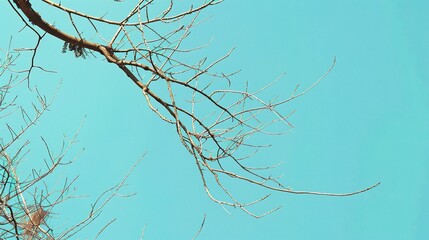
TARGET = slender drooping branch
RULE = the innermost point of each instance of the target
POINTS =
(213, 121)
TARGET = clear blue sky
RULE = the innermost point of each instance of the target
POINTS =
(366, 122)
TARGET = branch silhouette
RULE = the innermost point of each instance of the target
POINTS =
(213, 121)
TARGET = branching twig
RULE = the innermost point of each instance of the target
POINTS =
(214, 121)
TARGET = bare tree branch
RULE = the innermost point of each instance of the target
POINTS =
(27, 201)
(213, 120)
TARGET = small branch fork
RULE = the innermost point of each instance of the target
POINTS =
(214, 122)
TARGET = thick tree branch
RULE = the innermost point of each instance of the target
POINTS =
(194, 89)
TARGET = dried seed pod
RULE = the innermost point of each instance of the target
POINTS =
(65, 47)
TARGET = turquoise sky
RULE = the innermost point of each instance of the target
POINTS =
(366, 122)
